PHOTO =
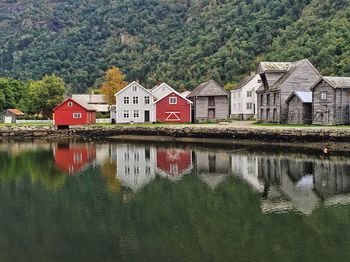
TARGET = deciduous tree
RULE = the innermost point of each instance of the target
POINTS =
(114, 82)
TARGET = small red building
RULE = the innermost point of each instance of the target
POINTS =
(74, 112)
(173, 108)
(72, 159)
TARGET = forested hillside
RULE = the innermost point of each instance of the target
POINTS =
(182, 42)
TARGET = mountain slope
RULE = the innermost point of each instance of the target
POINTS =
(182, 42)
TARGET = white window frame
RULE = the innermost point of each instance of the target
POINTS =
(134, 88)
(126, 114)
(135, 100)
(249, 93)
(70, 104)
(136, 113)
(147, 100)
(126, 100)
(249, 106)
(323, 95)
(173, 100)
(77, 115)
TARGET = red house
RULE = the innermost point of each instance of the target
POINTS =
(173, 163)
(173, 108)
(73, 112)
(71, 159)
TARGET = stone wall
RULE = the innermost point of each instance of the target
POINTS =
(254, 134)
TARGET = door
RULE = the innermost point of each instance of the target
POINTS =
(211, 113)
(147, 117)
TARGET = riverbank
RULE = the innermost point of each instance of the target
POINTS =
(334, 139)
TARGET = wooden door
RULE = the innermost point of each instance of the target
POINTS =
(211, 113)
(147, 116)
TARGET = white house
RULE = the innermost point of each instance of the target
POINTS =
(135, 165)
(134, 103)
(244, 99)
(161, 90)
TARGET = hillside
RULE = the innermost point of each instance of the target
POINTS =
(179, 41)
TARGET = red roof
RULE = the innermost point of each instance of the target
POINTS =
(16, 112)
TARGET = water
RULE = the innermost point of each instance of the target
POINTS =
(122, 201)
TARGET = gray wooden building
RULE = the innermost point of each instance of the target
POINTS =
(10, 115)
(279, 80)
(210, 102)
(331, 101)
(300, 108)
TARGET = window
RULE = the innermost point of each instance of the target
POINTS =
(323, 95)
(211, 101)
(147, 100)
(135, 100)
(136, 113)
(249, 106)
(136, 156)
(261, 100)
(172, 100)
(126, 100)
(70, 104)
(127, 170)
(134, 88)
(274, 99)
(268, 99)
(136, 170)
(126, 113)
(259, 81)
(76, 115)
(148, 170)
(249, 93)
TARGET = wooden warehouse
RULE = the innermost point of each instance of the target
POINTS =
(300, 108)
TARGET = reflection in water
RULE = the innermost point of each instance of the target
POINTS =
(66, 202)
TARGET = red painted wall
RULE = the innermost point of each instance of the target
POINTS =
(63, 114)
(163, 107)
(72, 159)
(172, 159)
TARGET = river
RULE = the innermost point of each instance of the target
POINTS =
(143, 201)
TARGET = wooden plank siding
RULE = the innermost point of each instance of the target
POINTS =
(299, 112)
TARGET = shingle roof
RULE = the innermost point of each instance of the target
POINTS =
(211, 83)
(16, 112)
(85, 105)
(245, 81)
(338, 82)
(90, 98)
(274, 66)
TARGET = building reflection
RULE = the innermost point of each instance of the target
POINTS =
(72, 158)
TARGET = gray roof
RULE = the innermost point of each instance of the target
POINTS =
(200, 90)
(305, 97)
(338, 82)
(245, 81)
(85, 105)
(90, 98)
(274, 67)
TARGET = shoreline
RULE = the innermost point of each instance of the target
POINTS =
(336, 140)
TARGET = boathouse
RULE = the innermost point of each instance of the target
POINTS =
(300, 108)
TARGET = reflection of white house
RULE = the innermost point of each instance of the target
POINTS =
(245, 166)
(134, 103)
(213, 167)
(135, 165)
(161, 90)
(244, 99)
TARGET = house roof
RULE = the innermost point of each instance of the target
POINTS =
(305, 97)
(189, 101)
(185, 94)
(81, 103)
(16, 112)
(273, 67)
(90, 98)
(338, 82)
(198, 91)
(133, 83)
(162, 84)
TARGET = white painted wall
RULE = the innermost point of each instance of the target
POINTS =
(162, 90)
(240, 98)
(134, 90)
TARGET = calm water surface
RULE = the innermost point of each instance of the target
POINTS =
(123, 201)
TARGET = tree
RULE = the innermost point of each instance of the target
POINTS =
(45, 94)
(12, 94)
(113, 84)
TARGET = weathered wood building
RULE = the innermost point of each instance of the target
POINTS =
(10, 115)
(300, 108)
(331, 101)
(210, 102)
(279, 80)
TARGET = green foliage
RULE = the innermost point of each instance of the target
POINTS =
(45, 94)
(12, 94)
(181, 42)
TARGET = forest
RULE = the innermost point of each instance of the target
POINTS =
(182, 42)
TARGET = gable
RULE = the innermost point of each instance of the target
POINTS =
(129, 88)
(172, 94)
(75, 104)
(210, 88)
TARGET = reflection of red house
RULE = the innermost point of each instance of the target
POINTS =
(74, 112)
(173, 163)
(74, 158)
(173, 108)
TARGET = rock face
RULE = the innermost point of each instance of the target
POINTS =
(278, 135)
